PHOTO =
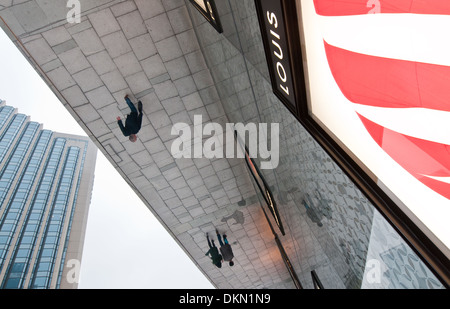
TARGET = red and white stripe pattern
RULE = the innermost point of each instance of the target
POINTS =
(394, 69)
(361, 7)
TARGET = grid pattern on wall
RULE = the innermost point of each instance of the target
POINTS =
(39, 181)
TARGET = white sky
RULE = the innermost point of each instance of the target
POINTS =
(125, 246)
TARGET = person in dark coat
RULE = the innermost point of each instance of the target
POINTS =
(214, 252)
(225, 249)
(133, 122)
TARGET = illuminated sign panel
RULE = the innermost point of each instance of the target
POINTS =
(271, 19)
(379, 85)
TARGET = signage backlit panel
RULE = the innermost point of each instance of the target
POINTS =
(378, 83)
(273, 30)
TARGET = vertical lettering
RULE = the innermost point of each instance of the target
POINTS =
(285, 89)
(280, 54)
(275, 34)
(283, 76)
(272, 18)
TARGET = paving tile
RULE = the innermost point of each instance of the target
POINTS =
(150, 9)
(196, 61)
(192, 101)
(104, 22)
(132, 24)
(173, 105)
(143, 46)
(114, 81)
(65, 46)
(41, 50)
(128, 64)
(151, 171)
(100, 97)
(102, 62)
(185, 86)
(78, 27)
(30, 15)
(181, 117)
(109, 113)
(179, 19)
(159, 27)
(172, 4)
(153, 66)
(74, 96)
(74, 60)
(177, 68)
(138, 82)
(88, 41)
(116, 44)
(169, 49)
(61, 78)
(87, 112)
(188, 41)
(57, 35)
(123, 8)
(155, 146)
(87, 79)
(203, 79)
(183, 193)
(98, 127)
(159, 119)
(165, 90)
(172, 173)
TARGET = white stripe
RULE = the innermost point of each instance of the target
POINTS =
(442, 179)
(427, 124)
(414, 37)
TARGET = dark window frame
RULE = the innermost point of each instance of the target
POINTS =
(261, 183)
(211, 14)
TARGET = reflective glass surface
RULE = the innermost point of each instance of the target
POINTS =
(331, 227)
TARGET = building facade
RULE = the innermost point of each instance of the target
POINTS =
(303, 224)
(46, 181)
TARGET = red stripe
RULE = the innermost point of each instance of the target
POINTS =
(360, 7)
(419, 157)
(385, 82)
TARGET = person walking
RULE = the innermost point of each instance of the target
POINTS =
(214, 252)
(133, 122)
(225, 248)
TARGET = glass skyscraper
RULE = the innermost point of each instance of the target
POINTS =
(46, 181)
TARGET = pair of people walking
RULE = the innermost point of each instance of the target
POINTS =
(225, 250)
